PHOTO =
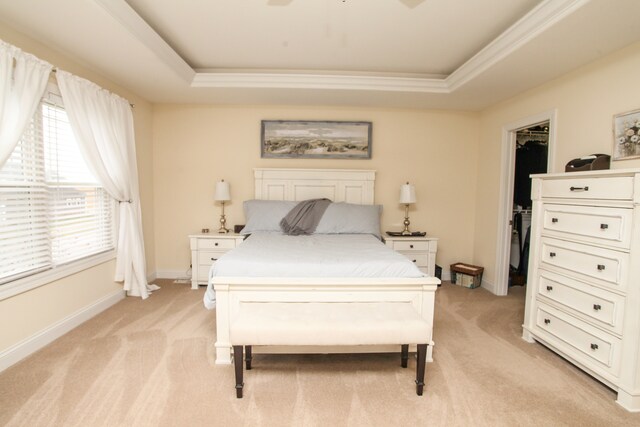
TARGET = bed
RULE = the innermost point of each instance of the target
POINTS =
(305, 280)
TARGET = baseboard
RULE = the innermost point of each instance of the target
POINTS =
(446, 276)
(151, 277)
(21, 350)
(491, 287)
(172, 274)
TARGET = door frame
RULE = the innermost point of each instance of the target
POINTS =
(507, 174)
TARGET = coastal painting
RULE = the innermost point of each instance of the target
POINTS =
(315, 139)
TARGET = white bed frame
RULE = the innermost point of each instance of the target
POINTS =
(339, 185)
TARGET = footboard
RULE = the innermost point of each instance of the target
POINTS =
(232, 292)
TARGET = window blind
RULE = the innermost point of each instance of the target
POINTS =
(52, 209)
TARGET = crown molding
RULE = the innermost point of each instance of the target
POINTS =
(534, 23)
(320, 81)
(138, 27)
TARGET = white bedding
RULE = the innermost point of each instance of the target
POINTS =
(317, 255)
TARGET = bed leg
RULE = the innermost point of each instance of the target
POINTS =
(237, 360)
(247, 356)
(422, 359)
(404, 355)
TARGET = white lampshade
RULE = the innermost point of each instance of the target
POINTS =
(223, 192)
(407, 194)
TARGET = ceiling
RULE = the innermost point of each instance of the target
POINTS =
(448, 54)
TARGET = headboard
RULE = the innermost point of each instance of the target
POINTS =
(338, 185)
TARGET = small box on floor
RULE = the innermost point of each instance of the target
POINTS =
(466, 275)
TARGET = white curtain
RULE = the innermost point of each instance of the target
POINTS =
(23, 79)
(103, 125)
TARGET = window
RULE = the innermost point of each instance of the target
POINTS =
(52, 209)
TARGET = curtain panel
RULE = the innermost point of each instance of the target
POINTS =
(102, 123)
(23, 79)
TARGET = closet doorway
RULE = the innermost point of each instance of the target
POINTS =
(527, 148)
(532, 145)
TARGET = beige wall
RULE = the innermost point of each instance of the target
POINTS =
(33, 311)
(586, 101)
(194, 146)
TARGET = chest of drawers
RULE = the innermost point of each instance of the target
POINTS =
(421, 250)
(583, 295)
(205, 250)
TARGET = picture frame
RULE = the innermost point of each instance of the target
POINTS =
(315, 139)
(626, 135)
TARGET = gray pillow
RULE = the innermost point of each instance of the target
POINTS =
(265, 215)
(347, 218)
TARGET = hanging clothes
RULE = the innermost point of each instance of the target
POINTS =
(530, 158)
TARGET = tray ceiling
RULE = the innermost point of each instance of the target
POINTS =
(462, 54)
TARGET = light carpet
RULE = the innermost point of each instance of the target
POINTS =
(152, 363)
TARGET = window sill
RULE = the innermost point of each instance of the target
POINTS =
(45, 277)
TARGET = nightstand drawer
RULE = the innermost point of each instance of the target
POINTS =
(579, 339)
(421, 260)
(209, 257)
(410, 246)
(603, 307)
(604, 188)
(608, 267)
(606, 226)
(214, 243)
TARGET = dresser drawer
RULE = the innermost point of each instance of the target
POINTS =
(579, 339)
(421, 260)
(214, 243)
(604, 266)
(602, 307)
(410, 246)
(607, 226)
(605, 188)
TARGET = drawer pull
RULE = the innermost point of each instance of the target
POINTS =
(585, 188)
(601, 267)
(594, 346)
(547, 321)
(554, 220)
(549, 288)
(215, 244)
(214, 259)
(604, 226)
(597, 307)
(415, 260)
(552, 254)
(411, 246)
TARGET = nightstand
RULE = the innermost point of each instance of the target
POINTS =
(421, 250)
(205, 250)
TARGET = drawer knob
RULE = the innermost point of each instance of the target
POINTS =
(549, 288)
(554, 220)
(597, 307)
(415, 260)
(594, 346)
(585, 188)
(215, 244)
(600, 267)
(411, 246)
(604, 226)
(214, 259)
(552, 254)
(547, 321)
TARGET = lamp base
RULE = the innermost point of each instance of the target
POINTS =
(223, 221)
(406, 222)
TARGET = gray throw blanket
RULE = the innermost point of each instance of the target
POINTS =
(304, 217)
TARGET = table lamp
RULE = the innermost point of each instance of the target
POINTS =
(407, 197)
(223, 194)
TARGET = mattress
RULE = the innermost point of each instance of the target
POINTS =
(317, 255)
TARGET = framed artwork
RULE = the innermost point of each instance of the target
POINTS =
(626, 135)
(301, 139)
